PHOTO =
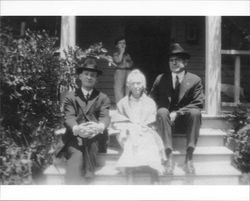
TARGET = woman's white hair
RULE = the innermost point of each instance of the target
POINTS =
(135, 74)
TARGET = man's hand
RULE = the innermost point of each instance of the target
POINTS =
(173, 116)
(88, 129)
(122, 50)
(76, 130)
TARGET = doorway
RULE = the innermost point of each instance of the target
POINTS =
(148, 40)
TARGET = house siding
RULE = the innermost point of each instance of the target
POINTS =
(189, 31)
(178, 34)
(195, 48)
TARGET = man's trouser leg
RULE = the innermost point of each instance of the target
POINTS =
(164, 127)
(74, 167)
(103, 141)
(189, 123)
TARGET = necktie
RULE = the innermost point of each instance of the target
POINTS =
(177, 83)
(87, 97)
(175, 94)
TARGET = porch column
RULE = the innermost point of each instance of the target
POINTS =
(68, 33)
(213, 65)
(68, 39)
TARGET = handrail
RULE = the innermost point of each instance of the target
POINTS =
(236, 52)
(237, 71)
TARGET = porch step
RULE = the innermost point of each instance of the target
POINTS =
(215, 122)
(208, 121)
(211, 137)
(208, 137)
(218, 173)
(206, 173)
(201, 154)
(206, 154)
(212, 161)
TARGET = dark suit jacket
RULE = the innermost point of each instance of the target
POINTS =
(190, 96)
(78, 111)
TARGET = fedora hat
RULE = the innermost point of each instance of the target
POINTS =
(89, 64)
(177, 50)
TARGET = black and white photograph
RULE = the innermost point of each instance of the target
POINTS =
(125, 100)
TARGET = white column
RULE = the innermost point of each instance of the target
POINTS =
(68, 33)
(237, 79)
(213, 65)
(68, 39)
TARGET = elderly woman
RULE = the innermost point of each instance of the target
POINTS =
(142, 146)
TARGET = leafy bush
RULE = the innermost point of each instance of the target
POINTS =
(240, 137)
(33, 78)
(29, 75)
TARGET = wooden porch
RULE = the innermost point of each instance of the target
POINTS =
(206, 60)
(212, 158)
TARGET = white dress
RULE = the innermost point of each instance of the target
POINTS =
(142, 146)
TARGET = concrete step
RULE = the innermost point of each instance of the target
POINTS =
(215, 122)
(208, 121)
(206, 154)
(184, 180)
(54, 175)
(208, 137)
(219, 173)
(201, 154)
(206, 173)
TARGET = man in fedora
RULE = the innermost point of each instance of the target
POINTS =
(179, 97)
(86, 119)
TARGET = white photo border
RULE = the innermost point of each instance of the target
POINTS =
(125, 8)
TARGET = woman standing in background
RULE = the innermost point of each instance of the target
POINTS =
(124, 66)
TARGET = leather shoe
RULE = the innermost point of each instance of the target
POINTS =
(189, 167)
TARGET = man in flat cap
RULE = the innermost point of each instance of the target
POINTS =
(179, 97)
(86, 119)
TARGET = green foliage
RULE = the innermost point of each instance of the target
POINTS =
(30, 73)
(240, 136)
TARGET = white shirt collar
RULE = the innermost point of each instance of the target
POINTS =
(180, 76)
(85, 92)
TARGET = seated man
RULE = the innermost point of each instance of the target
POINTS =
(86, 118)
(179, 97)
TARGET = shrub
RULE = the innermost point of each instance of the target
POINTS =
(29, 75)
(32, 79)
(240, 136)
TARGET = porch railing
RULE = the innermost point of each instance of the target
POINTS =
(237, 74)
